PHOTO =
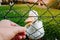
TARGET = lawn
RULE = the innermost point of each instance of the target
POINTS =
(49, 17)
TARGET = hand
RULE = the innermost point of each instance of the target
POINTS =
(10, 30)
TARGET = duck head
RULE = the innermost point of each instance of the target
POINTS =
(33, 15)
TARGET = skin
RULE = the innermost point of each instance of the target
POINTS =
(9, 30)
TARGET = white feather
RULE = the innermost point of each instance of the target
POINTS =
(33, 13)
(32, 29)
(36, 29)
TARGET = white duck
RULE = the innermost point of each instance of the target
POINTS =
(35, 28)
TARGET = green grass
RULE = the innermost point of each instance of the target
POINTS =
(52, 29)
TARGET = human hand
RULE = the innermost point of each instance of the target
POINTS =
(11, 31)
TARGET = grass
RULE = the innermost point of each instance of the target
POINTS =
(51, 24)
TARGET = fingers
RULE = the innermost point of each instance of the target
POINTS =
(22, 37)
(18, 38)
(20, 33)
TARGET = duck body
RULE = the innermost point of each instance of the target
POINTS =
(36, 30)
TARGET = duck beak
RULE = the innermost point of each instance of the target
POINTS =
(29, 20)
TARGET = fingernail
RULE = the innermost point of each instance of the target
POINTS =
(20, 37)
